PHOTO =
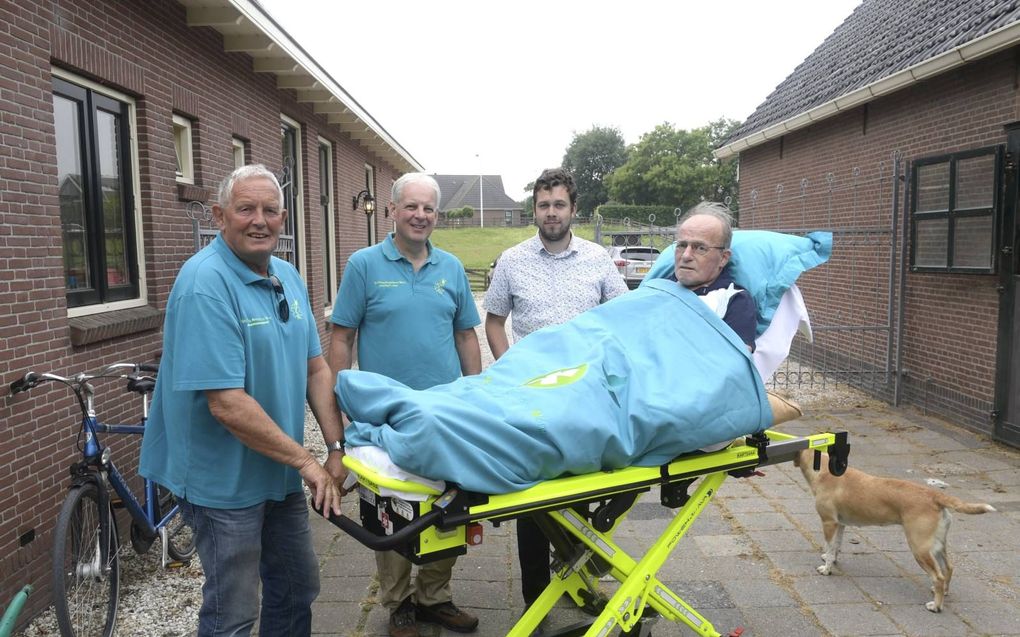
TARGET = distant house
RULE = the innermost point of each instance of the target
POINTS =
(119, 120)
(901, 133)
(496, 206)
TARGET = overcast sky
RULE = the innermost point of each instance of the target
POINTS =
(502, 87)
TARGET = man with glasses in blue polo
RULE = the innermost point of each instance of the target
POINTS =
(241, 355)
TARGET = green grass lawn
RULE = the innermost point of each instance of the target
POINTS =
(477, 247)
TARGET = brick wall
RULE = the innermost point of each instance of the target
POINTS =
(147, 51)
(950, 320)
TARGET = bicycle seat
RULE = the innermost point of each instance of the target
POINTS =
(143, 385)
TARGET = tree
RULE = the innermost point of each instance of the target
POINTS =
(675, 167)
(590, 157)
(456, 214)
(528, 204)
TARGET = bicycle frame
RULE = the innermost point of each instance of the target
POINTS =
(144, 515)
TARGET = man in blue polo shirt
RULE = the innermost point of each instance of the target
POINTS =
(225, 434)
(409, 307)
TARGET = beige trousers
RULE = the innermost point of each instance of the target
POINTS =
(431, 585)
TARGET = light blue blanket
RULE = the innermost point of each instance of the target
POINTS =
(637, 381)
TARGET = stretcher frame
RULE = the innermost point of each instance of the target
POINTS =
(579, 515)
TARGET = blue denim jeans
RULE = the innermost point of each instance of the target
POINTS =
(270, 542)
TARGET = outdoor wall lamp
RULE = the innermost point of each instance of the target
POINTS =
(369, 202)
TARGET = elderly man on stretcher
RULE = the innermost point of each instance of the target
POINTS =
(576, 420)
(637, 381)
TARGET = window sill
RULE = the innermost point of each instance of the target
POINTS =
(191, 192)
(94, 328)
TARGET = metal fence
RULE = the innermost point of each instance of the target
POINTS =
(852, 300)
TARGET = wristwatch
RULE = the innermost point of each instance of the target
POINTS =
(336, 445)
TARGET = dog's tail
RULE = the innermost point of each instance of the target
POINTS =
(947, 501)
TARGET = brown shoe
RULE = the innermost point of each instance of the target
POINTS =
(402, 622)
(448, 616)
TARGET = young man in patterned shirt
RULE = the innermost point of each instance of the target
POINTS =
(546, 280)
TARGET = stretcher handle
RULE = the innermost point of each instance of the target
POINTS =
(383, 542)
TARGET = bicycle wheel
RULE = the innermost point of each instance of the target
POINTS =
(180, 539)
(85, 590)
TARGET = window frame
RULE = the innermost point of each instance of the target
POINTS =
(100, 299)
(239, 145)
(296, 182)
(327, 210)
(372, 219)
(184, 149)
(952, 213)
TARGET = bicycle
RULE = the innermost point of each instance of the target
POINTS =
(86, 546)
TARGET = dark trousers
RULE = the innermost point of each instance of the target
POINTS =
(533, 553)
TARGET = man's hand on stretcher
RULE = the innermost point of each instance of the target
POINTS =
(325, 482)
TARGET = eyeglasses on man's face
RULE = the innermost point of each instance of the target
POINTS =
(698, 248)
(282, 308)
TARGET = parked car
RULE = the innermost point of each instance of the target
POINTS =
(633, 262)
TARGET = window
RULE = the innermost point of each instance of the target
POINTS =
(96, 193)
(508, 217)
(326, 205)
(954, 212)
(183, 148)
(240, 151)
(290, 181)
(370, 187)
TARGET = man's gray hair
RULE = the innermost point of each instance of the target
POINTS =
(716, 210)
(244, 173)
(414, 178)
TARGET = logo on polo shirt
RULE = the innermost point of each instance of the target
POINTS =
(440, 286)
(295, 310)
(559, 378)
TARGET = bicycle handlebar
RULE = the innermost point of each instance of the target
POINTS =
(26, 382)
(136, 383)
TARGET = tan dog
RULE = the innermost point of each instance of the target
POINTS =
(859, 499)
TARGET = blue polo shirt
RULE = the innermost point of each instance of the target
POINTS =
(406, 319)
(222, 331)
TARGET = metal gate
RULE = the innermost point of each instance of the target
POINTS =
(852, 300)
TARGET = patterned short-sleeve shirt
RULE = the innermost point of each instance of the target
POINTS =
(543, 289)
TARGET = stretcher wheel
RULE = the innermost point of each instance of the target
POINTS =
(837, 464)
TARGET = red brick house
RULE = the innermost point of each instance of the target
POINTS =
(118, 121)
(901, 133)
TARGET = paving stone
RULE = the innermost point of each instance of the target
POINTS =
(828, 589)
(854, 619)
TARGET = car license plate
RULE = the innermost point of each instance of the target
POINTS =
(642, 269)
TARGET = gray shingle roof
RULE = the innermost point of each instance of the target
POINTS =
(462, 190)
(880, 38)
